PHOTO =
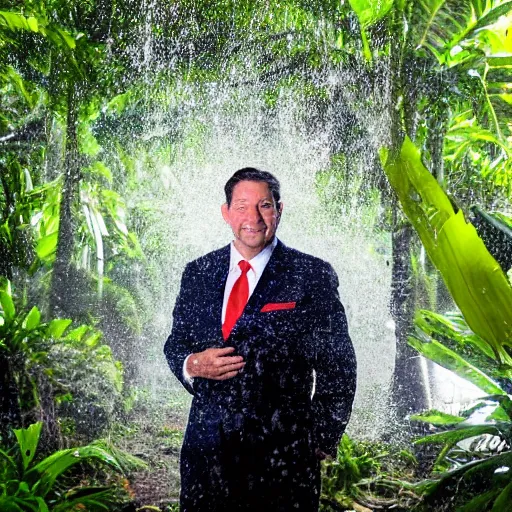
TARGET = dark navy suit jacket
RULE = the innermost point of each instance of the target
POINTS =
(252, 438)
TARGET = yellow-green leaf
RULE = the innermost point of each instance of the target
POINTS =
(474, 278)
(28, 439)
(7, 306)
(32, 319)
(32, 23)
(437, 418)
(57, 327)
(47, 246)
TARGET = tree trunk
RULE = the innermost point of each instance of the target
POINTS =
(63, 276)
(408, 392)
(10, 412)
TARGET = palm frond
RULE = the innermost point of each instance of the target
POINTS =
(441, 25)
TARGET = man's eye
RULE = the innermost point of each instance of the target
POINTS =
(266, 205)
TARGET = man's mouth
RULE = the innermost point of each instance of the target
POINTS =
(254, 230)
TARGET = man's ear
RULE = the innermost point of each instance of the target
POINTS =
(279, 209)
(225, 212)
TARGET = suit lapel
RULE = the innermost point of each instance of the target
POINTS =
(269, 280)
(218, 281)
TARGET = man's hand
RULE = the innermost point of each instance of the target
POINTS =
(214, 363)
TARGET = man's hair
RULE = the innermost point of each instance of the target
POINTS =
(252, 174)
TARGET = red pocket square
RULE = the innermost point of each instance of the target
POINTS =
(276, 306)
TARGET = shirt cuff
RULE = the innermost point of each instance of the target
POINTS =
(188, 379)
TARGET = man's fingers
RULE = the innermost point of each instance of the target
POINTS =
(232, 367)
(228, 368)
(214, 363)
(225, 361)
(223, 351)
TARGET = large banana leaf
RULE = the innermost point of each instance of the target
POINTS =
(458, 434)
(475, 280)
(452, 326)
(450, 360)
(477, 476)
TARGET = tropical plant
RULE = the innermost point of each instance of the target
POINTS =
(475, 456)
(43, 363)
(478, 285)
(475, 345)
(366, 473)
(28, 484)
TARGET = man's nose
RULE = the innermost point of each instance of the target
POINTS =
(254, 214)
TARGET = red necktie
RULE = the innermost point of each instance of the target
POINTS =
(237, 299)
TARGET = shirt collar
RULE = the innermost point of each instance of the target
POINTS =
(258, 263)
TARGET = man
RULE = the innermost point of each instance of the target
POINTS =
(260, 339)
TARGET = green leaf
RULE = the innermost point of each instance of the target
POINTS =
(437, 418)
(505, 403)
(77, 334)
(92, 340)
(91, 498)
(442, 25)
(458, 434)
(449, 359)
(476, 282)
(32, 23)
(479, 502)
(101, 169)
(66, 37)
(7, 504)
(15, 21)
(57, 327)
(9, 311)
(369, 11)
(23, 487)
(49, 469)
(491, 17)
(118, 103)
(32, 319)
(451, 326)
(42, 506)
(503, 501)
(499, 414)
(28, 439)
(46, 246)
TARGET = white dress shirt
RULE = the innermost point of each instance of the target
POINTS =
(258, 264)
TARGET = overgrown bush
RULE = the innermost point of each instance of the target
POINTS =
(52, 371)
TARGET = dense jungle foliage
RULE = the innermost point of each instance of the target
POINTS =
(81, 83)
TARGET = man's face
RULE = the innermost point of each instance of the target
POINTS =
(253, 216)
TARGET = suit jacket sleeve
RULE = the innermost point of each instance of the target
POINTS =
(180, 343)
(335, 363)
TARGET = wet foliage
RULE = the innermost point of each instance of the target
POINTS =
(31, 483)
